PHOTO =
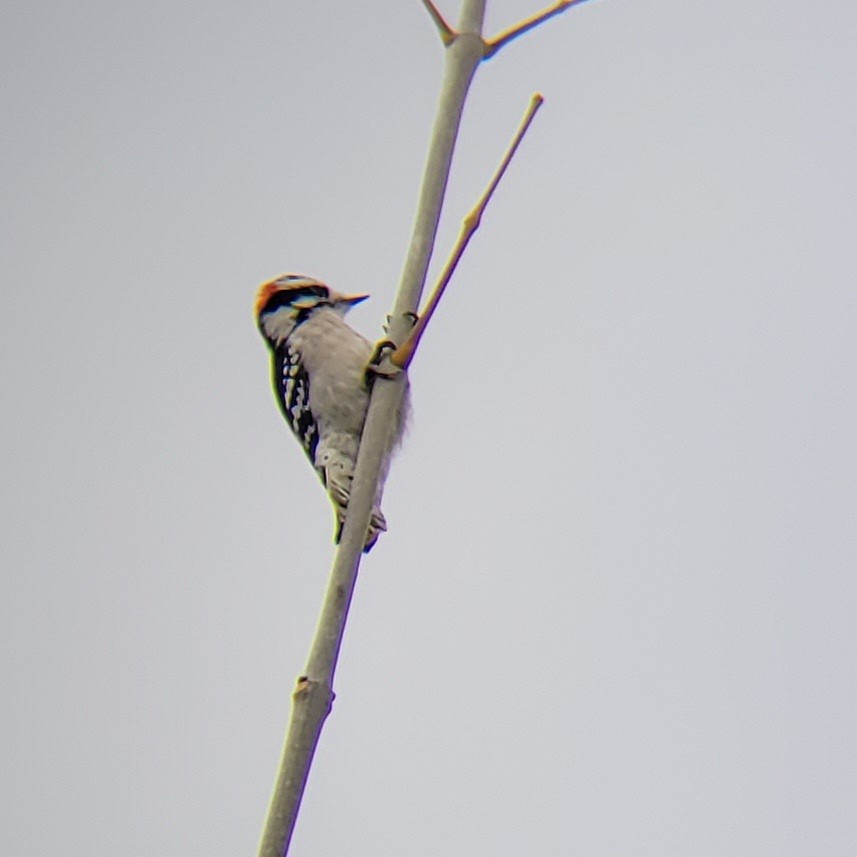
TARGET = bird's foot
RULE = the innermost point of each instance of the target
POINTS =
(380, 363)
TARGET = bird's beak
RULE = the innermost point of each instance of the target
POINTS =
(353, 300)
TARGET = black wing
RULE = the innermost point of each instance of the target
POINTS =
(291, 384)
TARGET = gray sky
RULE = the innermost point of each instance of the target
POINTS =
(615, 611)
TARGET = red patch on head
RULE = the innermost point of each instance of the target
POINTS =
(264, 293)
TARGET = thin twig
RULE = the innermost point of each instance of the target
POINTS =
(494, 45)
(403, 355)
(447, 34)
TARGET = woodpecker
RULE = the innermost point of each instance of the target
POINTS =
(321, 373)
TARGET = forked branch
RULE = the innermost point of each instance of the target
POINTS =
(447, 34)
(313, 695)
(494, 45)
(403, 355)
(490, 46)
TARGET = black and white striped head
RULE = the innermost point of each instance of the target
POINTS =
(290, 299)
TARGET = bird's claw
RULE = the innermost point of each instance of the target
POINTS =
(380, 363)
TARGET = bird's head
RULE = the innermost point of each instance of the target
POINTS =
(290, 299)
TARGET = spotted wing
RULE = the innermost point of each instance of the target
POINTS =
(291, 384)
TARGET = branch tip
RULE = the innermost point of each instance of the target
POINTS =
(404, 354)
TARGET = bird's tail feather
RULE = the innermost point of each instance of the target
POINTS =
(337, 473)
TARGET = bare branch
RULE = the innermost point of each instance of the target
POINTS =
(312, 699)
(403, 355)
(494, 45)
(447, 34)
(311, 702)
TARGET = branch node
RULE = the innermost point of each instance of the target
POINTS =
(472, 220)
(502, 39)
(447, 34)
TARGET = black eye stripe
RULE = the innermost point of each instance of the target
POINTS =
(286, 297)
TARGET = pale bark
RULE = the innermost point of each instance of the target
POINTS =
(313, 696)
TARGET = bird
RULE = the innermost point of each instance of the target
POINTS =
(322, 378)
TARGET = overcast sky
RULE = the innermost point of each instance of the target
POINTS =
(615, 610)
